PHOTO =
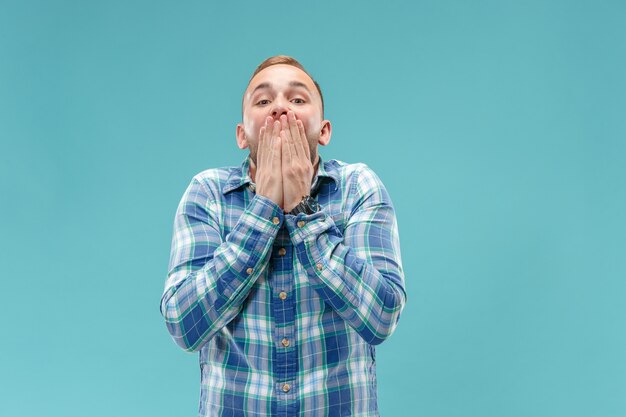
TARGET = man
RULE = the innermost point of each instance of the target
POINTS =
(285, 271)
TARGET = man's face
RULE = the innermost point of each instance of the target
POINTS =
(273, 92)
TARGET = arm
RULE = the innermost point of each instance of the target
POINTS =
(209, 278)
(359, 274)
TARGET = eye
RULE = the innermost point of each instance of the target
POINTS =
(298, 101)
(262, 102)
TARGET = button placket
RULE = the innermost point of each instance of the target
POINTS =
(284, 311)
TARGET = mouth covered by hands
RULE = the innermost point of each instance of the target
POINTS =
(284, 169)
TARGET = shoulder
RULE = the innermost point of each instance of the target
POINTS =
(216, 175)
(216, 178)
(353, 174)
(210, 182)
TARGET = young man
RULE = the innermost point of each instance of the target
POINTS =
(285, 271)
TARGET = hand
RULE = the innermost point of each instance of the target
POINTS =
(269, 182)
(297, 169)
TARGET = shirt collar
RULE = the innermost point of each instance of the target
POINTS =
(240, 176)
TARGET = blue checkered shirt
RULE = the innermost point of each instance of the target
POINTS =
(285, 310)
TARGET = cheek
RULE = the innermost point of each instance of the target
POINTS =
(251, 126)
(312, 126)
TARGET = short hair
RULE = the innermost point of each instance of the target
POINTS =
(286, 60)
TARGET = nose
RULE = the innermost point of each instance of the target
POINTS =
(279, 107)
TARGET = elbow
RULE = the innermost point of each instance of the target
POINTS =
(379, 335)
(189, 331)
(186, 341)
(374, 338)
(375, 341)
(387, 321)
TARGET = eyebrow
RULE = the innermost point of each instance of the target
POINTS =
(298, 84)
(261, 86)
(291, 84)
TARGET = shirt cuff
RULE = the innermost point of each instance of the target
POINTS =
(307, 227)
(263, 215)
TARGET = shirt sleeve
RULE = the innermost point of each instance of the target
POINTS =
(210, 277)
(358, 273)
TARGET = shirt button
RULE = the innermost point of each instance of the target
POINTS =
(275, 220)
(300, 223)
(319, 267)
(282, 295)
(282, 252)
(285, 342)
(286, 387)
(249, 271)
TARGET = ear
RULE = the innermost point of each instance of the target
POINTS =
(242, 141)
(325, 133)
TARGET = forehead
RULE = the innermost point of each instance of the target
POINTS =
(279, 76)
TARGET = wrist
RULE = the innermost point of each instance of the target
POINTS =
(292, 204)
(307, 205)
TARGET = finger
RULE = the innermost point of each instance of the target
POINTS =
(275, 142)
(286, 151)
(284, 126)
(264, 140)
(262, 133)
(295, 133)
(305, 142)
(293, 148)
(260, 151)
(289, 140)
(268, 129)
(275, 130)
(272, 133)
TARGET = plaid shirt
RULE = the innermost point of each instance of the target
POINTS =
(285, 310)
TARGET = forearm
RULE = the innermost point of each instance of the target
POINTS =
(208, 286)
(364, 284)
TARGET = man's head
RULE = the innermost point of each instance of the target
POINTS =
(278, 85)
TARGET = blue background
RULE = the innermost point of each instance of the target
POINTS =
(498, 128)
